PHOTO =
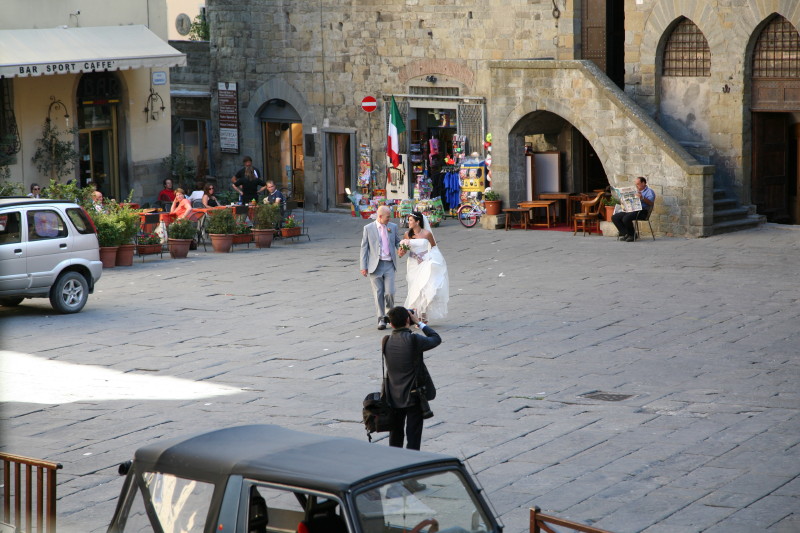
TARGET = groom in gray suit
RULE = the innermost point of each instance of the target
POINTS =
(379, 259)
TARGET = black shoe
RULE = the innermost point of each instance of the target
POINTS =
(629, 239)
(622, 237)
(381, 323)
(412, 485)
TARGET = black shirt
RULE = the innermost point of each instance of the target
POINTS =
(402, 360)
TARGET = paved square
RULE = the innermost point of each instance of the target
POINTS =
(702, 334)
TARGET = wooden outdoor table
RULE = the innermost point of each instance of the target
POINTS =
(541, 204)
(523, 216)
(567, 213)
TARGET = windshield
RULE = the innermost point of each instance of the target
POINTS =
(429, 503)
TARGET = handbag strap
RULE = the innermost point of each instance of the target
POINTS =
(383, 355)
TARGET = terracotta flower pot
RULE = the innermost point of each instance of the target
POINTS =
(222, 242)
(242, 238)
(291, 232)
(492, 206)
(108, 255)
(148, 249)
(179, 248)
(609, 212)
(125, 255)
(263, 237)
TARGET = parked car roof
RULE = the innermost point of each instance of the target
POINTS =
(273, 453)
(24, 200)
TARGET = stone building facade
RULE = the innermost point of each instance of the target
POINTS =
(660, 88)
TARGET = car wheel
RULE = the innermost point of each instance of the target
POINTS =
(69, 294)
(10, 302)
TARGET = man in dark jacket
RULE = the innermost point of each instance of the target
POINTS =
(403, 353)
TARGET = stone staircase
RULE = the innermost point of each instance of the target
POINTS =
(730, 216)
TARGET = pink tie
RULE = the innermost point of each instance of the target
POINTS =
(384, 241)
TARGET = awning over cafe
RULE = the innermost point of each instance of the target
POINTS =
(37, 52)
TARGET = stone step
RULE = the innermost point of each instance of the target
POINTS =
(720, 193)
(723, 215)
(749, 222)
(722, 204)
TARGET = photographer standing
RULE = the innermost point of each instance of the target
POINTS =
(403, 352)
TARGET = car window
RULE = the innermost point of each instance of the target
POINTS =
(10, 228)
(80, 220)
(180, 504)
(45, 224)
(441, 501)
(285, 509)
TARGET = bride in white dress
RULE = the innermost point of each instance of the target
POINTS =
(426, 270)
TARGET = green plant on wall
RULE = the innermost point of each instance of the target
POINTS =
(199, 29)
(54, 157)
(180, 168)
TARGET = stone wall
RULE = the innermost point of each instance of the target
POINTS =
(627, 141)
(731, 29)
(323, 58)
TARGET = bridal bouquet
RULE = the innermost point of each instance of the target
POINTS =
(404, 245)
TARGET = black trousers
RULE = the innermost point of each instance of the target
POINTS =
(411, 418)
(624, 221)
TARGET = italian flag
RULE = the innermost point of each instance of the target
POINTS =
(396, 127)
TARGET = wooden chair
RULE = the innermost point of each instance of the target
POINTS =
(645, 219)
(589, 216)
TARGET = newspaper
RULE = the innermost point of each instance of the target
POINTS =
(626, 196)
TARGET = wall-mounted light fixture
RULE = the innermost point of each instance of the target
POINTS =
(150, 110)
(56, 103)
(431, 78)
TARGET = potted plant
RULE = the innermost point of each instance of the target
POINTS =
(491, 201)
(181, 232)
(265, 218)
(242, 233)
(221, 226)
(148, 243)
(129, 221)
(290, 227)
(109, 236)
(610, 203)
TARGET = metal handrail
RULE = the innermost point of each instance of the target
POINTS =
(49, 500)
(542, 522)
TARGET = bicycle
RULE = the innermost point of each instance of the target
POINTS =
(469, 213)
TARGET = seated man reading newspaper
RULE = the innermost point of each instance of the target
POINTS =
(634, 202)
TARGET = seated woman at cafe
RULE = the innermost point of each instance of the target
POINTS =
(209, 200)
(181, 206)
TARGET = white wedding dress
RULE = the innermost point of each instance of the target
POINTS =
(426, 276)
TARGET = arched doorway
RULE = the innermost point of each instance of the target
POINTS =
(775, 106)
(544, 132)
(99, 95)
(282, 145)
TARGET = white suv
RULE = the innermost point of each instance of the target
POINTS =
(48, 249)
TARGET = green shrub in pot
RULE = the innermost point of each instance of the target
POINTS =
(182, 228)
(266, 215)
(221, 221)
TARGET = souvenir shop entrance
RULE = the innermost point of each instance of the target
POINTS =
(440, 132)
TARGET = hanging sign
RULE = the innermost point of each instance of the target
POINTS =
(369, 104)
(228, 117)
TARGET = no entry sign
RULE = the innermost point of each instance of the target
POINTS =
(369, 104)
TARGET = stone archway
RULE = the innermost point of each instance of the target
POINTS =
(628, 142)
(550, 132)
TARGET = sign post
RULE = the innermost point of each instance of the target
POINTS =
(369, 104)
(228, 117)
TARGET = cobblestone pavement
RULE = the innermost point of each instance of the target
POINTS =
(702, 334)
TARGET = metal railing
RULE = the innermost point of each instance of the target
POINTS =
(34, 474)
(542, 522)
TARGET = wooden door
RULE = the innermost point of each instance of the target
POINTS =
(769, 186)
(593, 32)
